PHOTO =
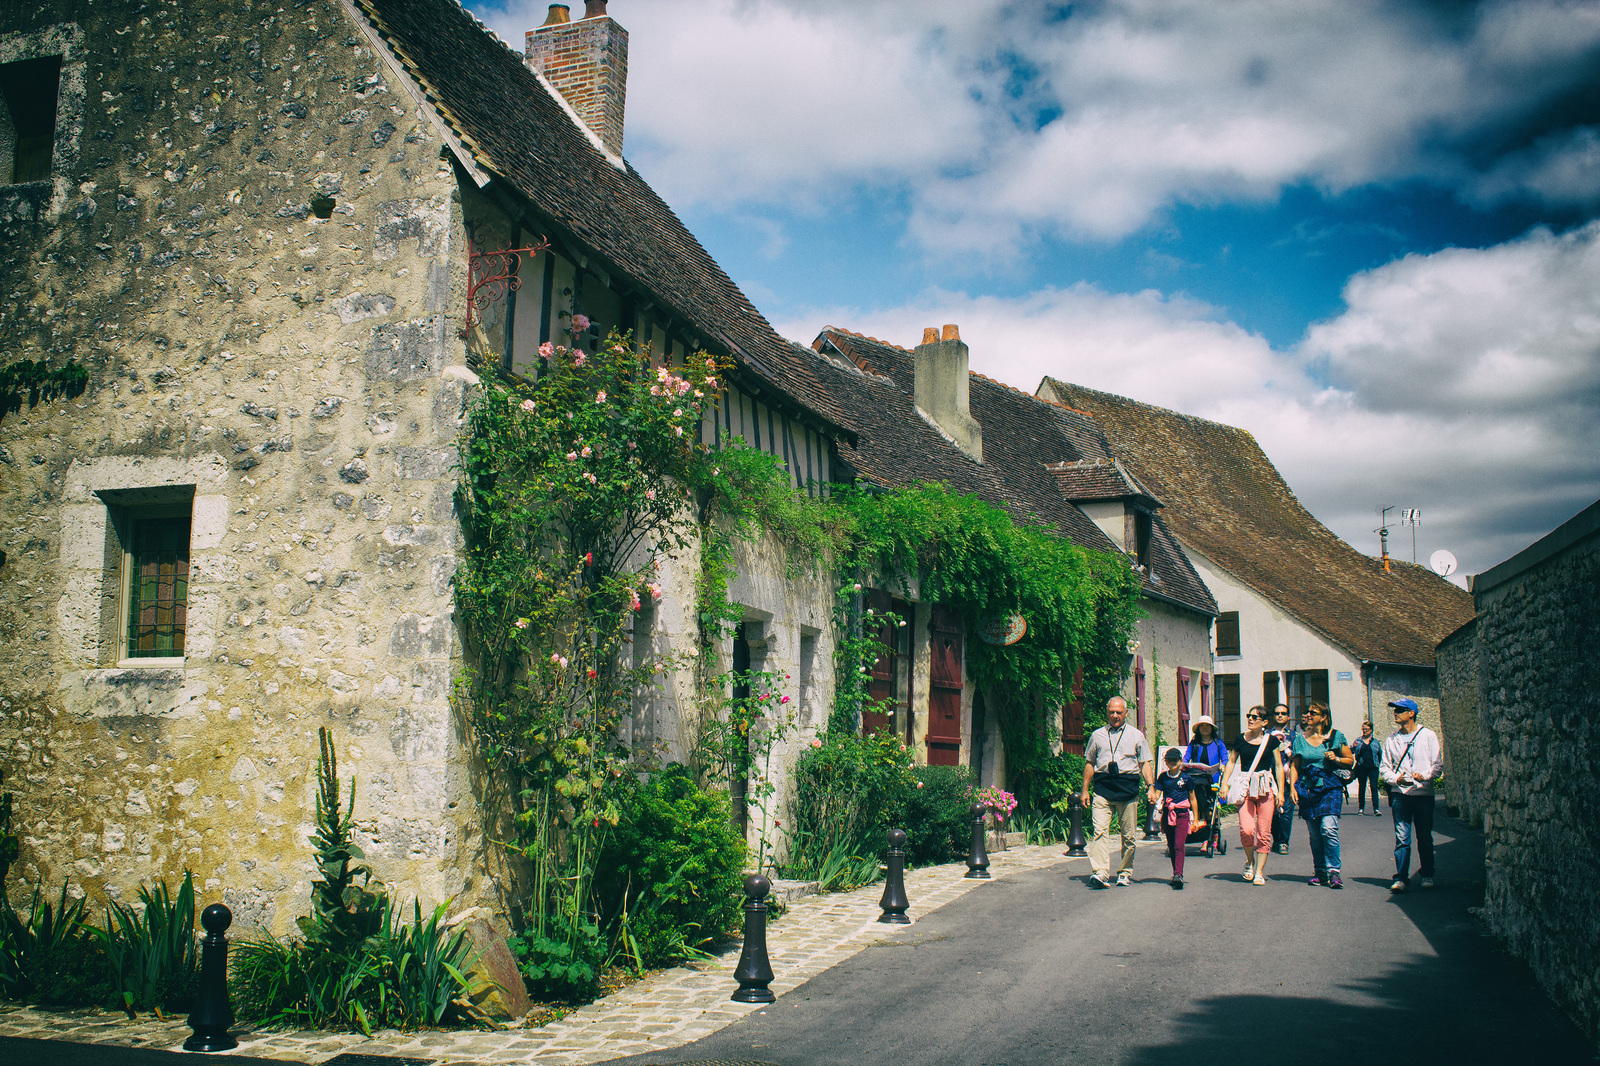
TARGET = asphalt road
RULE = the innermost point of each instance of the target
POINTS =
(1037, 968)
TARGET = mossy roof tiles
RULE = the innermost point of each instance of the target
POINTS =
(1226, 501)
(1022, 438)
(517, 131)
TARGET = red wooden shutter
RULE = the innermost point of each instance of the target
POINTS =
(1183, 705)
(1138, 692)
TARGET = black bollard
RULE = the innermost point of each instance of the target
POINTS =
(1152, 831)
(894, 902)
(212, 1015)
(755, 972)
(978, 858)
(1075, 846)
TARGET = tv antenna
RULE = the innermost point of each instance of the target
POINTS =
(1411, 516)
(1383, 533)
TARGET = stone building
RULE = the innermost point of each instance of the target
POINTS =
(266, 233)
(920, 415)
(1303, 615)
(1522, 731)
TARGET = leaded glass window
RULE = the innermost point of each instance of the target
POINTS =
(158, 587)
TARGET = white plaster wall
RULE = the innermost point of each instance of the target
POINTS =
(1169, 637)
(1272, 639)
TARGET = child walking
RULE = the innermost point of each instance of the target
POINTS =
(1175, 792)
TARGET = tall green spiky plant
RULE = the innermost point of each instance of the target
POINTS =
(345, 909)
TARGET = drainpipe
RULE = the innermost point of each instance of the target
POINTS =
(1367, 670)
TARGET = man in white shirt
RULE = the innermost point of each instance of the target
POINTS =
(1118, 762)
(1412, 761)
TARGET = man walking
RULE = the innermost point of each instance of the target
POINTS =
(1283, 818)
(1412, 761)
(1117, 762)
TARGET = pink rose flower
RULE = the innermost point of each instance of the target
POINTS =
(677, 431)
(580, 322)
(815, 743)
(521, 623)
(547, 349)
(587, 451)
(579, 359)
(633, 600)
(572, 457)
(649, 494)
(678, 413)
(600, 397)
(655, 590)
(527, 405)
(782, 701)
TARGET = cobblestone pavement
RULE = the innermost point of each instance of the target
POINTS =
(662, 1011)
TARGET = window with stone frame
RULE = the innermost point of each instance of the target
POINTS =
(150, 536)
(29, 89)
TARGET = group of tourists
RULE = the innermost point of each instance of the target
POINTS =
(1269, 772)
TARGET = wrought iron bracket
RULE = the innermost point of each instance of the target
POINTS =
(493, 274)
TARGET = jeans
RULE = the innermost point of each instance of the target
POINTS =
(1363, 778)
(1324, 837)
(1413, 817)
(1283, 820)
(1100, 847)
(1177, 835)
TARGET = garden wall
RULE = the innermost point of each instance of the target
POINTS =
(1533, 757)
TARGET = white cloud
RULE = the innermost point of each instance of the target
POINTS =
(1465, 383)
(1004, 122)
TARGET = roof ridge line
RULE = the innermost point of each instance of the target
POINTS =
(1148, 406)
(866, 337)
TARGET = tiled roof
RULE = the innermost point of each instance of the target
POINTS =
(1226, 501)
(1022, 437)
(518, 131)
(1097, 479)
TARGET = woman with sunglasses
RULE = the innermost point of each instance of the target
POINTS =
(1320, 751)
(1253, 781)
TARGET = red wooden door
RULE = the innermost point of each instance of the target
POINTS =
(946, 660)
(880, 688)
(1072, 717)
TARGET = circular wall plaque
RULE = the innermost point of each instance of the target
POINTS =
(1003, 630)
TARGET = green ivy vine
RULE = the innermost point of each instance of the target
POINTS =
(37, 382)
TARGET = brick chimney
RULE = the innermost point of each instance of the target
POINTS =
(941, 388)
(587, 62)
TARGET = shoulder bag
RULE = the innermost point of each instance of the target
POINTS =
(1246, 784)
(1112, 784)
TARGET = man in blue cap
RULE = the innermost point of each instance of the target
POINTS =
(1412, 762)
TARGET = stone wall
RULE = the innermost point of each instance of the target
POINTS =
(256, 260)
(1462, 718)
(1532, 758)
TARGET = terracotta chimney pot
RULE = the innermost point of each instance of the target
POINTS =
(593, 9)
(951, 333)
(930, 335)
(559, 13)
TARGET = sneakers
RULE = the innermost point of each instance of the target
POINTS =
(1334, 882)
(1283, 849)
(1398, 885)
(1426, 882)
(1124, 879)
(1099, 881)
(1314, 881)
(1177, 883)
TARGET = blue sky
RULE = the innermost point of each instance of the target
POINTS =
(1364, 232)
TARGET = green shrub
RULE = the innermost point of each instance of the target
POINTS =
(362, 963)
(557, 970)
(934, 816)
(49, 954)
(405, 976)
(847, 790)
(669, 877)
(154, 955)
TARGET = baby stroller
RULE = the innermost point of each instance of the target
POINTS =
(1205, 794)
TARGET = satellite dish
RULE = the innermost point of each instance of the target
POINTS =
(1443, 563)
